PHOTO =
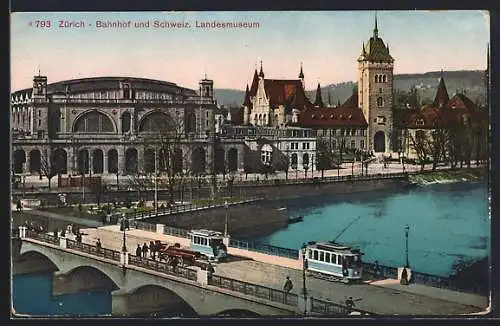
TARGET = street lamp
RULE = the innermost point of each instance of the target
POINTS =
(156, 181)
(407, 229)
(304, 267)
(124, 246)
(226, 206)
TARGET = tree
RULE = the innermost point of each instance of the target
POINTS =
(99, 189)
(166, 138)
(48, 170)
(420, 143)
(324, 156)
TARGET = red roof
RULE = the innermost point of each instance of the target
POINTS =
(432, 116)
(441, 95)
(347, 115)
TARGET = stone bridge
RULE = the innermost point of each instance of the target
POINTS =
(142, 290)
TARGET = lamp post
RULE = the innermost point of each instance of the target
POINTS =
(304, 266)
(124, 246)
(407, 229)
(156, 181)
(226, 206)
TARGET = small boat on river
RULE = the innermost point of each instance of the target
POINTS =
(295, 219)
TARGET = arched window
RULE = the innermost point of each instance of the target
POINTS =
(376, 78)
(157, 122)
(294, 161)
(266, 154)
(126, 119)
(384, 79)
(380, 101)
(93, 121)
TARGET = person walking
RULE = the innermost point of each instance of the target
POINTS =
(138, 251)
(145, 250)
(152, 250)
(287, 287)
(98, 245)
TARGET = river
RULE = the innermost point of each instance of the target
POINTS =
(448, 223)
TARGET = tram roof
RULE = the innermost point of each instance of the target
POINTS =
(206, 233)
(331, 246)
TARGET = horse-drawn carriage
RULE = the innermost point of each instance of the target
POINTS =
(175, 255)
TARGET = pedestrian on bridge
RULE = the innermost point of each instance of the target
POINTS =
(138, 251)
(145, 250)
(288, 285)
(152, 250)
(98, 245)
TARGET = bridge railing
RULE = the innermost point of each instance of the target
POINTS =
(182, 233)
(143, 226)
(264, 248)
(333, 309)
(380, 271)
(44, 237)
(93, 250)
(163, 267)
(255, 290)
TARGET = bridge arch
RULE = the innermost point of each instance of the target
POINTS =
(157, 300)
(238, 313)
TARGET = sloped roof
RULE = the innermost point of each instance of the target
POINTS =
(345, 115)
(286, 92)
(110, 83)
(375, 50)
(441, 94)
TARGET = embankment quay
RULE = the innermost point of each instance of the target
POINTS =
(250, 280)
(268, 189)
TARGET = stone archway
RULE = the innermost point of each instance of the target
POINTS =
(60, 161)
(83, 161)
(112, 161)
(19, 160)
(97, 161)
(149, 160)
(131, 161)
(35, 161)
(156, 301)
(379, 142)
(219, 160)
(198, 161)
(232, 159)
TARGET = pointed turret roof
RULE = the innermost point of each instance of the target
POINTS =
(442, 97)
(261, 73)
(301, 73)
(255, 83)
(319, 100)
(247, 101)
(375, 50)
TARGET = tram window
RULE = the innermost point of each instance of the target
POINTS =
(334, 258)
(339, 260)
(315, 255)
(321, 256)
(327, 257)
(204, 241)
(310, 254)
(195, 240)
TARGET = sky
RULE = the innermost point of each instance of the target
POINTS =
(327, 43)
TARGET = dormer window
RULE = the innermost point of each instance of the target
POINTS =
(341, 117)
(350, 116)
(419, 122)
(332, 117)
(313, 116)
(322, 116)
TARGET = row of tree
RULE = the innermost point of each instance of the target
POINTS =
(456, 145)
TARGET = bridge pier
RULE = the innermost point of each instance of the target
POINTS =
(79, 281)
(119, 303)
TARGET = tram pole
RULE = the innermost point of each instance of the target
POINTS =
(304, 289)
(226, 206)
(407, 229)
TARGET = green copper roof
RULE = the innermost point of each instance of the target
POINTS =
(376, 50)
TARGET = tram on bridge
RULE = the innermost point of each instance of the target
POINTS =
(209, 243)
(333, 261)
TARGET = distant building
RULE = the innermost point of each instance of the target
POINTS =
(106, 125)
